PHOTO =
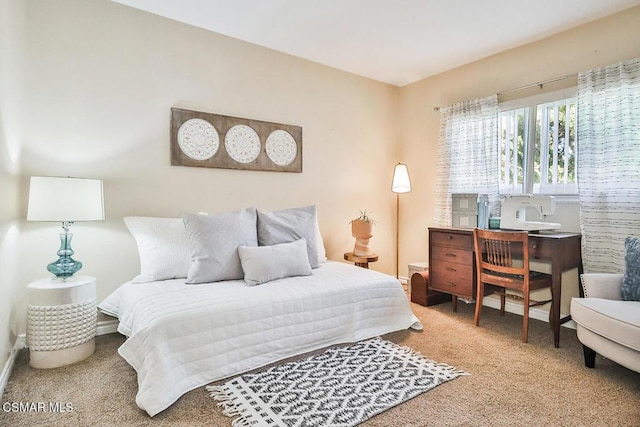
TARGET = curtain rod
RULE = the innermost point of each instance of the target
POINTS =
(540, 84)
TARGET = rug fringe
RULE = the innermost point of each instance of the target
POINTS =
(240, 422)
(229, 408)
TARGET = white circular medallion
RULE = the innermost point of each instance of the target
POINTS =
(242, 143)
(198, 139)
(281, 147)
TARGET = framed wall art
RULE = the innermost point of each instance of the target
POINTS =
(215, 141)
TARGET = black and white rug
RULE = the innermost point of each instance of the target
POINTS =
(340, 387)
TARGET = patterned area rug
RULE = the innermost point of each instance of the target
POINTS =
(340, 387)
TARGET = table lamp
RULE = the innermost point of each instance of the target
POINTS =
(65, 200)
(400, 184)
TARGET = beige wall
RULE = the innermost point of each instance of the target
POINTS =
(601, 42)
(11, 46)
(100, 81)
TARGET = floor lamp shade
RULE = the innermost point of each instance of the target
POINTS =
(65, 200)
(401, 182)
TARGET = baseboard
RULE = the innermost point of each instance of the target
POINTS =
(8, 367)
(534, 313)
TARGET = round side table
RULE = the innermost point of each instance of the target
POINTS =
(61, 321)
(360, 261)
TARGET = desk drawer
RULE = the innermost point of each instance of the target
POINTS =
(452, 278)
(451, 254)
(539, 248)
(451, 239)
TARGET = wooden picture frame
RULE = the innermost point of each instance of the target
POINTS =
(200, 139)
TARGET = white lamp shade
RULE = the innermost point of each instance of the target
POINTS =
(65, 199)
(401, 182)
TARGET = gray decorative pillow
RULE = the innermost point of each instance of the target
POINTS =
(289, 225)
(631, 278)
(214, 241)
(265, 263)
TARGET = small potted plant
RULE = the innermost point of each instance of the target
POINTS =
(361, 229)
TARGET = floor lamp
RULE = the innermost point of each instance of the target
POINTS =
(400, 184)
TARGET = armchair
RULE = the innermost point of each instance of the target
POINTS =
(606, 324)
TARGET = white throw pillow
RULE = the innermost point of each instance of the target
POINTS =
(322, 252)
(162, 247)
(265, 263)
(213, 244)
(289, 225)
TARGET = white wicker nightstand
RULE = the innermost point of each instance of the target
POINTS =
(61, 321)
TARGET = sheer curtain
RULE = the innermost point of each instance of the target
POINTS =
(608, 163)
(467, 153)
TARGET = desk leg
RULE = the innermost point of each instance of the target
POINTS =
(455, 303)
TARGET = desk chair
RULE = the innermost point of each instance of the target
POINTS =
(494, 251)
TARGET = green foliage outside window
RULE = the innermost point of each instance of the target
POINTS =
(554, 147)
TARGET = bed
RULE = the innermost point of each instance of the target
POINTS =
(181, 337)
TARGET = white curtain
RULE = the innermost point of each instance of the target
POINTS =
(608, 163)
(467, 153)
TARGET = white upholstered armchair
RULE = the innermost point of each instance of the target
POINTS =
(606, 324)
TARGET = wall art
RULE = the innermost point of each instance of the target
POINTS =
(215, 141)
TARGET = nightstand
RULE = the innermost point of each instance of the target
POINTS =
(361, 261)
(61, 321)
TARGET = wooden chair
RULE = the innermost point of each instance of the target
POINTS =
(495, 251)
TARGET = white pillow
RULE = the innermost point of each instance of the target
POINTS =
(265, 263)
(322, 252)
(289, 225)
(162, 247)
(213, 244)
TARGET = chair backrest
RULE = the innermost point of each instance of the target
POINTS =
(495, 250)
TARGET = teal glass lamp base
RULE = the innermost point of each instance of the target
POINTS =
(65, 266)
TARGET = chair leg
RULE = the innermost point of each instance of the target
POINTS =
(525, 318)
(503, 297)
(589, 357)
(479, 298)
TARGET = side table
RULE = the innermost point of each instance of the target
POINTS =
(61, 321)
(360, 261)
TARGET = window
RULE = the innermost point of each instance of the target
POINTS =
(538, 145)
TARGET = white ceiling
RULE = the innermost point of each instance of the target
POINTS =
(393, 41)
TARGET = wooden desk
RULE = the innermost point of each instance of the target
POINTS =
(452, 264)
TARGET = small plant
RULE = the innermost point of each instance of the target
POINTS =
(364, 216)
(362, 230)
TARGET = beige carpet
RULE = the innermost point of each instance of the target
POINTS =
(511, 383)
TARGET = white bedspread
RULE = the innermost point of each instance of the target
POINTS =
(181, 337)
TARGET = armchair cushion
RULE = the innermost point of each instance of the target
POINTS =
(631, 280)
(617, 321)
